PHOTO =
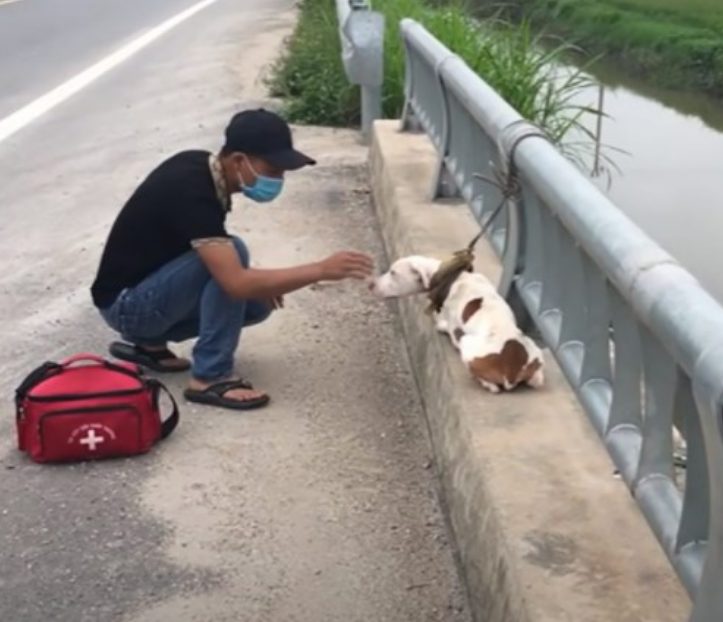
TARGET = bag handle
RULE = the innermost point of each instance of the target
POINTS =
(170, 423)
(85, 357)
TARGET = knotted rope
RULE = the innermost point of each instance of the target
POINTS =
(507, 182)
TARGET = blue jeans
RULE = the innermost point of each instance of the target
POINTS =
(181, 301)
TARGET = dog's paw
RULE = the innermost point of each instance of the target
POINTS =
(488, 386)
(537, 381)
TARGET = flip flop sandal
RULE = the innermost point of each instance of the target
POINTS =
(151, 359)
(215, 396)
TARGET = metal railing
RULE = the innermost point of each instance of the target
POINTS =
(361, 31)
(638, 339)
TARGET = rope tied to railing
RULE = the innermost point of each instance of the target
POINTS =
(507, 182)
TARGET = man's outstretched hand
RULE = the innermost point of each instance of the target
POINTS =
(346, 265)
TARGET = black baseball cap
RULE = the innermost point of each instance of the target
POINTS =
(266, 135)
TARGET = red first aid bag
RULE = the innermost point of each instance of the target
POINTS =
(87, 408)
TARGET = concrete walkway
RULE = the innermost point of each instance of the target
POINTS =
(323, 507)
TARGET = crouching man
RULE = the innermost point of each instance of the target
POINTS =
(170, 271)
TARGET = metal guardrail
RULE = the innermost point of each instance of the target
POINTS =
(638, 339)
(361, 31)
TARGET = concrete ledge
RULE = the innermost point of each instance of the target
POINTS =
(544, 529)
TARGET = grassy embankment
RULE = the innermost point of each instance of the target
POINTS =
(672, 43)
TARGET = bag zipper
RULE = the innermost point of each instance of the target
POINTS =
(84, 396)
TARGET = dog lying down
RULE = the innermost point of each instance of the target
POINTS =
(478, 320)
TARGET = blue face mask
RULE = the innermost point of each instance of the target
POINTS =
(264, 189)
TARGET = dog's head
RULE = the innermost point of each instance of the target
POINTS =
(406, 276)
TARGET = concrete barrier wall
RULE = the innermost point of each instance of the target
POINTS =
(545, 530)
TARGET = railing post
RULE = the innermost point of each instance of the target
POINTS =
(371, 108)
(513, 256)
(444, 184)
(361, 31)
(708, 605)
(408, 121)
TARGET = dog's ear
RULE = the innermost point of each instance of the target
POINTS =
(422, 271)
(424, 276)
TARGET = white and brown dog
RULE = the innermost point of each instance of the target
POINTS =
(478, 320)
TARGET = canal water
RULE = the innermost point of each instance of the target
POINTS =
(671, 179)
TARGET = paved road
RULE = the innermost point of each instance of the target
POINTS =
(45, 42)
(323, 508)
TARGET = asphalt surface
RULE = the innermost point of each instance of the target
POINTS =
(45, 42)
(321, 508)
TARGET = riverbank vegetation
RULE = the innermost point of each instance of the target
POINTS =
(672, 43)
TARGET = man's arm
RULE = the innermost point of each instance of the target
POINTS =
(225, 267)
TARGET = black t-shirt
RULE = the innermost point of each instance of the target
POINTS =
(175, 204)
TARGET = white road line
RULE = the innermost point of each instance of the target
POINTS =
(25, 115)
(3, 2)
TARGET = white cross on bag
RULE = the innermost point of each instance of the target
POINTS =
(91, 440)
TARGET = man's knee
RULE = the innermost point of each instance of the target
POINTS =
(242, 250)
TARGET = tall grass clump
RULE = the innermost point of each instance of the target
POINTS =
(511, 58)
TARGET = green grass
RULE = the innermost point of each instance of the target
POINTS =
(701, 12)
(309, 75)
(510, 58)
(674, 43)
